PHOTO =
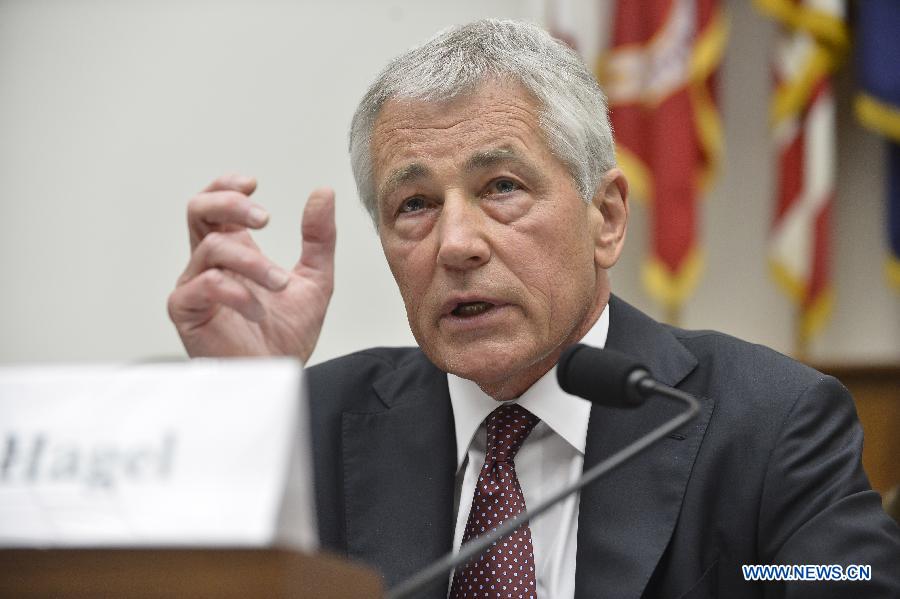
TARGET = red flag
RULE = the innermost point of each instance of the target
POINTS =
(811, 43)
(660, 77)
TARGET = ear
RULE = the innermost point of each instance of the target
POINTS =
(611, 202)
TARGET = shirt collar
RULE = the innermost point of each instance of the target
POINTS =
(567, 415)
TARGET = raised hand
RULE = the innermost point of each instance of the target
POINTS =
(233, 301)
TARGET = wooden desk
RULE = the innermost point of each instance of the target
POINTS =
(189, 573)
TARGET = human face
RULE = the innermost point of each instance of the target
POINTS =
(499, 261)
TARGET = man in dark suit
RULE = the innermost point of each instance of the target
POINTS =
(486, 162)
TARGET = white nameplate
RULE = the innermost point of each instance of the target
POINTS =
(199, 453)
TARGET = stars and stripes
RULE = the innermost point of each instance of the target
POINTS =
(811, 42)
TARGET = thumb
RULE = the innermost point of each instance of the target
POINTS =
(319, 233)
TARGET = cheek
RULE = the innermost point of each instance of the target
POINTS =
(410, 265)
(561, 276)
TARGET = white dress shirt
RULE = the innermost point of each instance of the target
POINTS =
(551, 457)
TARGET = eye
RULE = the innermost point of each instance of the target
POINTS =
(503, 186)
(413, 204)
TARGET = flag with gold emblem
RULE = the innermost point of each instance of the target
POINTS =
(660, 76)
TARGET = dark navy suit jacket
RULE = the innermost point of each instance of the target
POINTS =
(768, 473)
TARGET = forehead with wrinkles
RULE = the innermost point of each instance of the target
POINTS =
(411, 134)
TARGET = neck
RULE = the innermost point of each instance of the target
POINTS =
(516, 385)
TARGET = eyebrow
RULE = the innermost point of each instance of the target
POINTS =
(506, 155)
(477, 161)
(489, 158)
(402, 176)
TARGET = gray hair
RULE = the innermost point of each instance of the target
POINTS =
(573, 118)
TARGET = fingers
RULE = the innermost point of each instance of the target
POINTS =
(196, 301)
(319, 233)
(224, 206)
(235, 253)
(233, 182)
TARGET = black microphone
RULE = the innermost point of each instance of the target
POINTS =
(600, 376)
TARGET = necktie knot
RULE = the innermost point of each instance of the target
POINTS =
(507, 428)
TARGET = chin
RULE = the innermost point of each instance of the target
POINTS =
(485, 364)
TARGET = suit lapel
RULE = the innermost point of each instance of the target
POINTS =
(399, 474)
(626, 518)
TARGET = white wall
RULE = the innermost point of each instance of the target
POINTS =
(112, 114)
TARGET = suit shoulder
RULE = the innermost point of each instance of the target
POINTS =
(388, 358)
(755, 374)
(348, 379)
(724, 351)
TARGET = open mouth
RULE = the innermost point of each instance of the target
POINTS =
(469, 309)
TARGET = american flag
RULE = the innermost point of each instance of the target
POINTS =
(811, 42)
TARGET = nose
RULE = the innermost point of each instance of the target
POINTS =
(462, 235)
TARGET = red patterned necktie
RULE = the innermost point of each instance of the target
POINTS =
(507, 568)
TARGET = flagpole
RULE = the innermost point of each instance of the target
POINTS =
(801, 340)
(673, 314)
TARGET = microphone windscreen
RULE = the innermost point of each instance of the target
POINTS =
(601, 376)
